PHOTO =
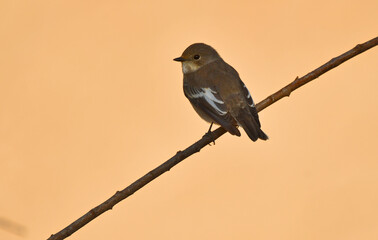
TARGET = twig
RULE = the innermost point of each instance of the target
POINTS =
(205, 140)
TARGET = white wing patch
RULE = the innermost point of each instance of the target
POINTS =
(208, 95)
(248, 96)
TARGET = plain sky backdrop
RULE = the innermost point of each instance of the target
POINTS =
(90, 100)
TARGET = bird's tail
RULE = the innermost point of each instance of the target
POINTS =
(250, 126)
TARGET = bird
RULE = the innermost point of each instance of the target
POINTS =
(217, 93)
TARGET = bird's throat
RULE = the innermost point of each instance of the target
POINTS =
(189, 67)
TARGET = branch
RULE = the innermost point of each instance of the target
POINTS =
(299, 82)
(205, 140)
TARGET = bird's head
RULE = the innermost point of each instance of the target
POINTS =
(196, 56)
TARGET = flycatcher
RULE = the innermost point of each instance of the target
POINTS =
(217, 93)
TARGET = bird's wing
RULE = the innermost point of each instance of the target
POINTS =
(251, 103)
(208, 100)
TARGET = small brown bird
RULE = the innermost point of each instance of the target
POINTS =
(217, 93)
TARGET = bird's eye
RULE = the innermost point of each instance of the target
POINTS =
(196, 57)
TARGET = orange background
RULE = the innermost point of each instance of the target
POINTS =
(90, 100)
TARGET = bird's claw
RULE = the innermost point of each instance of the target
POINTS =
(210, 134)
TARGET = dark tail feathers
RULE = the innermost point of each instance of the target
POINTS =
(250, 126)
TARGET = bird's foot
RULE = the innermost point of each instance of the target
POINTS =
(209, 133)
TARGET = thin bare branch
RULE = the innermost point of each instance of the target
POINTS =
(205, 140)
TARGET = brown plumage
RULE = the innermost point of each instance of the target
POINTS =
(217, 93)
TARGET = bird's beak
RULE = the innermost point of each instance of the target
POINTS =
(179, 59)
